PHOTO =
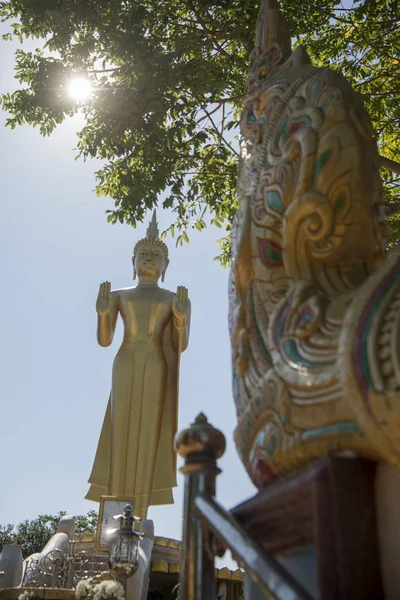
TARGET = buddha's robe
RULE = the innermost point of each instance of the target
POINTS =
(135, 458)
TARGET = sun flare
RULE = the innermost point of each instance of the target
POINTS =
(79, 89)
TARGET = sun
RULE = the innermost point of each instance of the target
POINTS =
(79, 89)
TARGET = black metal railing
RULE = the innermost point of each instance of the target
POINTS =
(209, 530)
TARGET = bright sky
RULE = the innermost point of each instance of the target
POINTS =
(55, 249)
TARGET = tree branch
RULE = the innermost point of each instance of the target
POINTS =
(207, 115)
(389, 165)
(380, 75)
(340, 19)
(220, 103)
(377, 49)
(110, 70)
(227, 100)
(392, 208)
(200, 20)
(219, 133)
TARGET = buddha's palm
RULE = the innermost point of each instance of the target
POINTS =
(103, 303)
(180, 304)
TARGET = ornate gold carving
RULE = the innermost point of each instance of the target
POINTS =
(314, 301)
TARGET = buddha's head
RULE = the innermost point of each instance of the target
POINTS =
(150, 255)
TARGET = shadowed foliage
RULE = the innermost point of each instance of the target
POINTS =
(33, 534)
(168, 79)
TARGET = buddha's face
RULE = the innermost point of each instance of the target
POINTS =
(149, 261)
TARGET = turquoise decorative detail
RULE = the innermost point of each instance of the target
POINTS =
(305, 317)
(292, 352)
(272, 399)
(261, 439)
(339, 203)
(280, 321)
(236, 393)
(264, 349)
(289, 346)
(251, 118)
(314, 89)
(327, 102)
(270, 253)
(271, 446)
(321, 162)
(282, 128)
(345, 427)
(320, 245)
(274, 201)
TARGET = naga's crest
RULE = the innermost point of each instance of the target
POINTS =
(314, 304)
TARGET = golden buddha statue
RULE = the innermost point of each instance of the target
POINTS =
(135, 458)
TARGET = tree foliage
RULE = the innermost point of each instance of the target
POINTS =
(168, 80)
(34, 534)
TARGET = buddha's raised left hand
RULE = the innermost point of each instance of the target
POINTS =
(180, 305)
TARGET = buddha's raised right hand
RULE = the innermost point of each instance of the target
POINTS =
(103, 304)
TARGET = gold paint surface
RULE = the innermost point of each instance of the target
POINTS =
(135, 458)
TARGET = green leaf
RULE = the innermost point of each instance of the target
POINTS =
(162, 75)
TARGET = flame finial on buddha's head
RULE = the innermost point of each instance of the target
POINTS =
(152, 237)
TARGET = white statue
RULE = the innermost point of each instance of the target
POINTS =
(38, 566)
(10, 566)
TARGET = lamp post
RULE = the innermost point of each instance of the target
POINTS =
(123, 559)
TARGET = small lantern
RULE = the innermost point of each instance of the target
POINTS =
(123, 559)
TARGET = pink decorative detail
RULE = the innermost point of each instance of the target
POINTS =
(270, 253)
(295, 127)
(262, 472)
(261, 212)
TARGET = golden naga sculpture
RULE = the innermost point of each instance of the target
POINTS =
(314, 299)
(135, 457)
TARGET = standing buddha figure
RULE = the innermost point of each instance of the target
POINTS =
(135, 459)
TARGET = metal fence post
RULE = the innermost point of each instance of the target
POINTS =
(200, 445)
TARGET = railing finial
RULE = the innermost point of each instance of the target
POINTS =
(200, 439)
(200, 444)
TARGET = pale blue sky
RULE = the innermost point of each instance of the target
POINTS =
(55, 249)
